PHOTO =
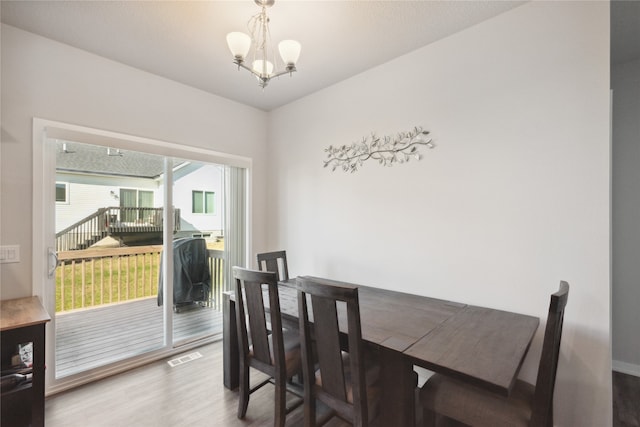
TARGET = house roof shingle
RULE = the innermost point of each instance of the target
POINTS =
(93, 159)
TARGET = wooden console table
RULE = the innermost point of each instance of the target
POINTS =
(22, 321)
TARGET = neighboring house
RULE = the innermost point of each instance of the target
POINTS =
(197, 192)
(92, 178)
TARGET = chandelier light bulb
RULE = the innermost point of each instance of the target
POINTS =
(264, 68)
(289, 51)
(239, 44)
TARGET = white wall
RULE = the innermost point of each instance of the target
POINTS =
(626, 217)
(45, 79)
(514, 198)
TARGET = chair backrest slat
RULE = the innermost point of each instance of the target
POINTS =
(252, 284)
(542, 407)
(327, 333)
(257, 322)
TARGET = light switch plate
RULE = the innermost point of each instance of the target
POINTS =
(9, 253)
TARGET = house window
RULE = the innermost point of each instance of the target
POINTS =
(202, 202)
(62, 192)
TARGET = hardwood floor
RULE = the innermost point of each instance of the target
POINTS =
(626, 396)
(192, 394)
(158, 395)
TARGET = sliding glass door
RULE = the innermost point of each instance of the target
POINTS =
(140, 256)
(198, 250)
(109, 245)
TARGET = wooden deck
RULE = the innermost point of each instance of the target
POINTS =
(90, 338)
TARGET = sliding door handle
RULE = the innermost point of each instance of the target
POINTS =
(52, 260)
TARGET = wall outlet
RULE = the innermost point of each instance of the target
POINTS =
(9, 253)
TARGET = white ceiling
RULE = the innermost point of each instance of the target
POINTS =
(185, 40)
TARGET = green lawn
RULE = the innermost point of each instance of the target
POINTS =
(96, 281)
(106, 280)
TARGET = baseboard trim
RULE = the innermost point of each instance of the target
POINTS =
(626, 368)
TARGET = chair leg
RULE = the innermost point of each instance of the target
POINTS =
(280, 403)
(243, 398)
(309, 410)
(428, 418)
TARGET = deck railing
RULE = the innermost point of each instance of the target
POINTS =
(216, 268)
(112, 221)
(92, 277)
(83, 233)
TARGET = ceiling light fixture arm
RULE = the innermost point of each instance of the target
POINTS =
(264, 80)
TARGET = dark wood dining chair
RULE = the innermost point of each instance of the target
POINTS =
(274, 261)
(345, 381)
(270, 350)
(526, 406)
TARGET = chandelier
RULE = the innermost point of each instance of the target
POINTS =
(264, 59)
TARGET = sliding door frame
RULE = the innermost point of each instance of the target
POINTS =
(43, 222)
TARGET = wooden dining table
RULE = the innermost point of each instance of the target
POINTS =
(479, 345)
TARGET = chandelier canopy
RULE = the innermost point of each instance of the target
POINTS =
(264, 62)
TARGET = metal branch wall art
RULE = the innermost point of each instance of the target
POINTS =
(386, 150)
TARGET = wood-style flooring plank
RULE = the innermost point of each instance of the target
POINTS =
(156, 395)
